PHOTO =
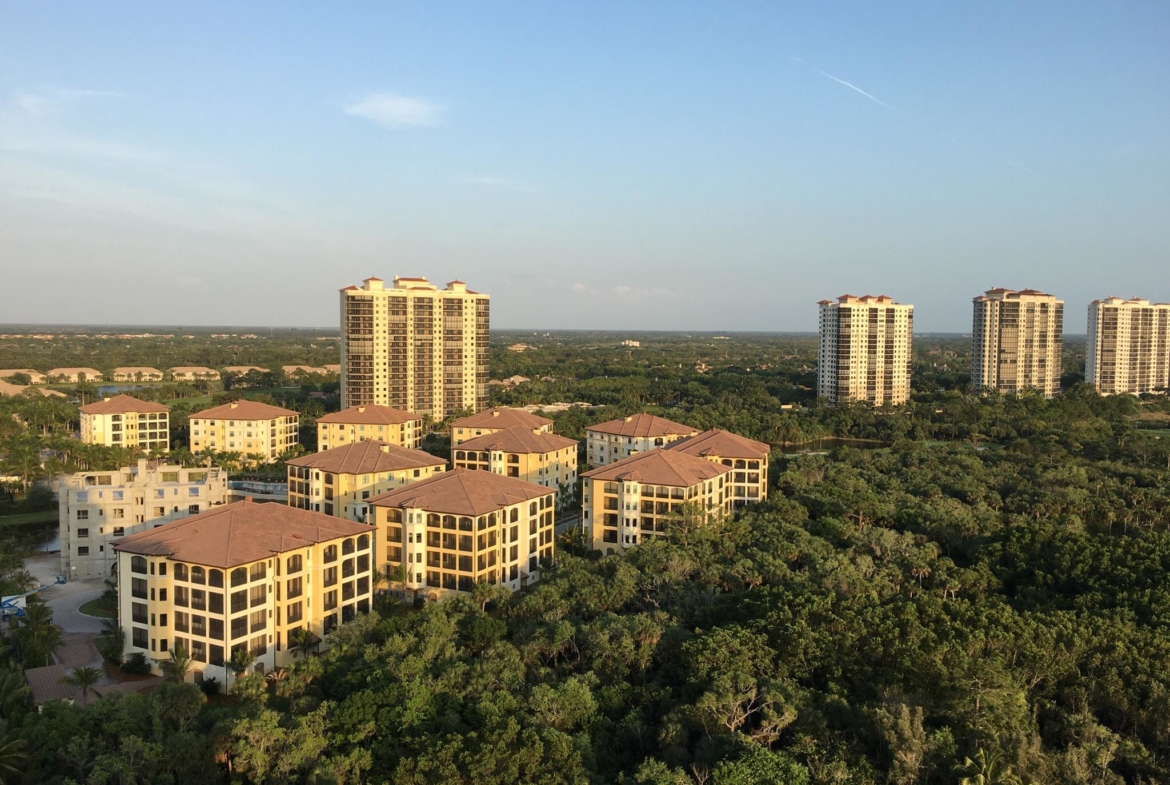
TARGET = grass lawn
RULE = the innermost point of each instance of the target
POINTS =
(45, 516)
(99, 609)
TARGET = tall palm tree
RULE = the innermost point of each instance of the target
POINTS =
(13, 690)
(12, 755)
(36, 635)
(84, 679)
(303, 642)
(987, 769)
(179, 666)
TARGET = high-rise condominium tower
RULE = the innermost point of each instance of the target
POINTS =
(1017, 341)
(1129, 346)
(865, 350)
(414, 346)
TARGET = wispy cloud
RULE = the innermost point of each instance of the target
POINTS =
(394, 111)
(850, 85)
(48, 100)
(501, 182)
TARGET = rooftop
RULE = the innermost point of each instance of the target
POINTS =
(660, 467)
(367, 458)
(500, 418)
(519, 440)
(122, 404)
(71, 371)
(722, 444)
(243, 410)
(643, 425)
(462, 492)
(238, 534)
(370, 414)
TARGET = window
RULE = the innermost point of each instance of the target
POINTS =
(138, 612)
(215, 605)
(83, 515)
(83, 532)
(330, 553)
(199, 626)
(258, 620)
(138, 564)
(347, 546)
(215, 629)
(294, 613)
(198, 575)
(294, 588)
(83, 550)
(119, 531)
(119, 512)
(330, 576)
(239, 576)
(257, 571)
(239, 627)
(199, 599)
(199, 651)
(140, 637)
(138, 588)
(330, 600)
(257, 595)
(182, 596)
(293, 564)
(180, 572)
(363, 542)
(215, 578)
(239, 601)
(182, 623)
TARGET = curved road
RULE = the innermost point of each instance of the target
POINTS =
(66, 598)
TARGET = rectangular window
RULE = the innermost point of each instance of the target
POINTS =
(83, 532)
(181, 596)
(215, 629)
(258, 620)
(330, 600)
(83, 550)
(294, 613)
(239, 601)
(239, 627)
(257, 595)
(83, 515)
(330, 576)
(294, 588)
(140, 637)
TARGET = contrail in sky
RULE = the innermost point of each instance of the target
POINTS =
(851, 86)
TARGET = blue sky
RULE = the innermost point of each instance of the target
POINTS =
(646, 165)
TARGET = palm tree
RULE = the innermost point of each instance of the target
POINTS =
(391, 575)
(180, 664)
(12, 755)
(241, 660)
(36, 635)
(303, 642)
(13, 690)
(987, 769)
(84, 679)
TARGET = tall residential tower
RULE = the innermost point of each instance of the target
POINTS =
(1017, 341)
(865, 350)
(1129, 346)
(414, 346)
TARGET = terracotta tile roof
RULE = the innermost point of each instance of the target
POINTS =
(243, 410)
(502, 417)
(7, 388)
(122, 404)
(367, 458)
(518, 440)
(45, 685)
(244, 368)
(659, 467)
(462, 492)
(643, 425)
(239, 533)
(370, 414)
(193, 369)
(72, 371)
(722, 444)
(144, 369)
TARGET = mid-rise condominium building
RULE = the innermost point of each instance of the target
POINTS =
(123, 421)
(414, 346)
(614, 440)
(448, 533)
(341, 480)
(95, 508)
(1016, 337)
(244, 576)
(635, 498)
(533, 456)
(494, 421)
(748, 482)
(259, 431)
(369, 421)
(1129, 346)
(865, 350)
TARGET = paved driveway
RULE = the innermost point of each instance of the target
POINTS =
(66, 598)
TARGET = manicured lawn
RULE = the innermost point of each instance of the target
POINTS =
(98, 609)
(45, 516)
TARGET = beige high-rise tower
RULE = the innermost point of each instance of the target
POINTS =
(1017, 340)
(865, 350)
(414, 346)
(1129, 346)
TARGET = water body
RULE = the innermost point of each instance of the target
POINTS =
(825, 445)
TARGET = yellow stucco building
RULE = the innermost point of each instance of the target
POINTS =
(259, 431)
(243, 576)
(340, 481)
(367, 422)
(747, 483)
(495, 420)
(533, 456)
(614, 440)
(123, 421)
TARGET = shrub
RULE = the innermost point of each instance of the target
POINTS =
(136, 664)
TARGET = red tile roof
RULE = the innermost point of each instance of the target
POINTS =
(367, 458)
(370, 414)
(122, 404)
(643, 425)
(518, 440)
(239, 533)
(243, 410)
(660, 467)
(462, 492)
(502, 417)
(722, 444)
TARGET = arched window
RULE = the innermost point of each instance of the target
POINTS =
(532, 508)
(347, 545)
(138, 564)
(363, 542)
(198, 575)
(215, 578)
(239, 576)
(330, 553)
(180, 572)
(460, 455)
(515, 515)
(465, 524)
(433, 520)
(448, 521)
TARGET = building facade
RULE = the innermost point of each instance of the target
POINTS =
(533, 456)
(494, 421)
(747, 483)
(137, 373)
(96, 508)
(245, 576)
(414, 346)
(1129, 346)
(865, 345)
(448, 533)
(123, 421)
(259, 431)
(635, 498)
(34, 377)
(193, 373)
(74, 375)
(1016, 341)
(369, 421)
(612, 441)
(341, 480)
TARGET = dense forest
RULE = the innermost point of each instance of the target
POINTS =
(979, 596)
